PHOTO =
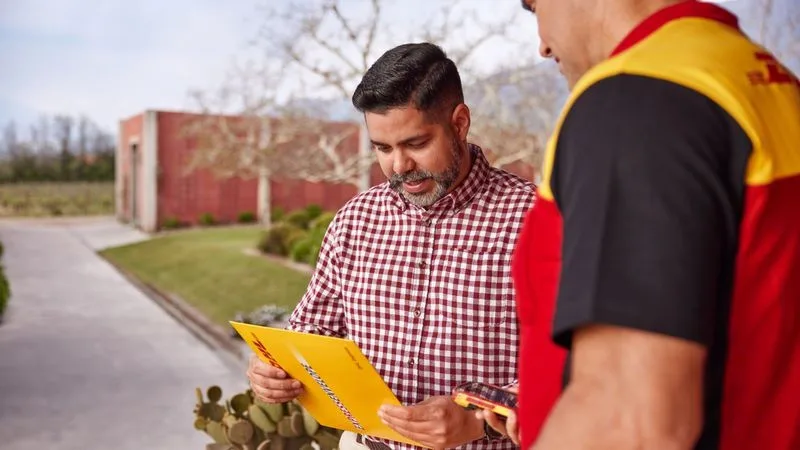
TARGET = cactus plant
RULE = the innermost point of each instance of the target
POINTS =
(246, 423)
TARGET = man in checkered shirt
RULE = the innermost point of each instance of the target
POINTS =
(416, 270)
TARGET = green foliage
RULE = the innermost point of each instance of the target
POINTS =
(56, 199)
(172, 223)
(5, 291)
(206, 219)
(276, 215)
(5, 287)
(298, 218)
(247, 423)
(246, 217)
(60, 148)
(322, 221)
(313, 211)
(302, 249)
(280, 238)
(307, 249)
(266, 315)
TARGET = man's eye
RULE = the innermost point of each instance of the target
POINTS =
(418, 144)
(382, 148)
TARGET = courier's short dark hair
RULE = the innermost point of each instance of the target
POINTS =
(418, 74)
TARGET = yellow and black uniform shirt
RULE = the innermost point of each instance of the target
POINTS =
(670, 203)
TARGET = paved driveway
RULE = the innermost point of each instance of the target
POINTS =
(86, 360)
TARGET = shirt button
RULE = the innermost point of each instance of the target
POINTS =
(411, 362)
(422, 264)
(426, 222)
(417, 312)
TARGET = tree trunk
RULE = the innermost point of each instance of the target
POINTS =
(264, 198)
(365, 162)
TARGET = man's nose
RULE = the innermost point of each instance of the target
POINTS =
(402, 163)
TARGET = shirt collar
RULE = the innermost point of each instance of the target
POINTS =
(458, 197)
(685, 9)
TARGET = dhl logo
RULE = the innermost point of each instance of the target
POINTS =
(263, 351)
(773, 73)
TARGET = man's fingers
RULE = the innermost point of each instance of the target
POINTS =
(512, 425)
(274, 396)
(425, 411)
(397, 413)
(278, 385)
(405, 429)
(410, 426)
(259, 367)
(495, 422)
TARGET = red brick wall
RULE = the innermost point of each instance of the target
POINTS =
(186, 196)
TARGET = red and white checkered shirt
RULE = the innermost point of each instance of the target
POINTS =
(427, 294)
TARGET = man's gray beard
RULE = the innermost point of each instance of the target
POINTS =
(443, 181)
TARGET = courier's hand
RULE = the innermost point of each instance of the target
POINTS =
(271, 384)
(436, 422)
(509, 429)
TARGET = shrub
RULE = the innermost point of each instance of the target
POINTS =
(302, 249)
(276, 215)
(322, 221)
(246, 217)
(5, 291)
(298, 218)
(171, 223)
(5, 287)
(267, 315)
(313, 255)
(206, 219)
(279, 239)
(307, 250)
(313, 211)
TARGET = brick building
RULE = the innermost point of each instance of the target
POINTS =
(154, 186)
(152, 183)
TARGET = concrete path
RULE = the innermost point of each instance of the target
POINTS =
(86, 360)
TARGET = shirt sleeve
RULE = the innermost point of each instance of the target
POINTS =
(320, 310)
(642, 176)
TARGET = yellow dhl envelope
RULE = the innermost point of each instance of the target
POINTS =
(341, 388)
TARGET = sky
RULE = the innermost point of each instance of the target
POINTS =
(113, 59)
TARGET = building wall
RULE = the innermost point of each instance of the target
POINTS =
(166, 189)
(185, 195)
(130, 133)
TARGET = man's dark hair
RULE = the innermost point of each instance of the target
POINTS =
(420, 75)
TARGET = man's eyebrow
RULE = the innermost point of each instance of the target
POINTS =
(419, 137)
(406, 141)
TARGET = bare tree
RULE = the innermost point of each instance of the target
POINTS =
(332, 48)
(277, 119)
(515, 112)
(257, 140)
(63, 135)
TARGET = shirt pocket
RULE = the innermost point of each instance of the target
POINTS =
(479, 292)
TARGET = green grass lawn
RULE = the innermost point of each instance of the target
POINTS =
(208, 269)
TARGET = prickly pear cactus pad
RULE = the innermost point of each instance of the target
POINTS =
(246, 423)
